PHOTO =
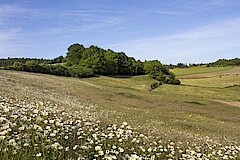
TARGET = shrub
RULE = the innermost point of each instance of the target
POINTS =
(176, 82)
(155, 85)
(81, 72)
(160, 73)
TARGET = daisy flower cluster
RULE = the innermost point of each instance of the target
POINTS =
(43, 131)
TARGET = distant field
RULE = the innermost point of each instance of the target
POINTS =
(197, 70)
(229, 71)
(227, 94)
(222, 85)
(217, 82)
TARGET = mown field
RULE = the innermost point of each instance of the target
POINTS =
(193, 120)
(198, 70)
(221, 85)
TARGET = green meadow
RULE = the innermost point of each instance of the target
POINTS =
(204, 108)
(197, 70)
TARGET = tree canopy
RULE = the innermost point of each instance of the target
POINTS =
(225, 62)
(83, 61)
(103, 62)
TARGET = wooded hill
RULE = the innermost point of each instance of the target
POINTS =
(218, 63)
(225, 62)
(87, 62)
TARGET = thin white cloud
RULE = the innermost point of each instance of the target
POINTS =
(11, 40)
(15, 41)
(87, 12)
(216, 38)
(10, 37)
(210, 5)
(211, 40)
(220, 3)
(172, 13)
(223, 3)
(8, 10)
(79, 20)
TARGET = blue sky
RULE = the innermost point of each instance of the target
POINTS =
(172, 31)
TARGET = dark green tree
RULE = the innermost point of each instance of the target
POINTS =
(74, 54)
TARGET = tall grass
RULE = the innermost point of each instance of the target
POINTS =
(42, 131)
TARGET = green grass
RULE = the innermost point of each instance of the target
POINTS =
(134, 82)
(48, 131)
(226, 94)
(197, 70)
(218, 82)
(169, 110)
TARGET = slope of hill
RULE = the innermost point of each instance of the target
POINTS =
(197, 70)
(222, 85)
(129, 98)
(166, 118)
(206, 72)
(226, 62)
(84, 62)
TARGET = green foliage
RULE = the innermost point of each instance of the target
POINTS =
(153, 67)
(18, 65)
(86, 62)
(56, 70)
(81, 72)
(103, 62)
(74, 54)
(155, 85)
(59, 59)
(10, 61)
(225, 62)
(33, 66)
(176, 82)
(160, 73)
(180, 65)
(218, 63)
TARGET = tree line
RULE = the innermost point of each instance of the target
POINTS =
(218, 63)
(225, 62)
(10, 61)
(91, 61)
(103, 62)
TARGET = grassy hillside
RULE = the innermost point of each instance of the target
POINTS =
(217, 82)
(129, 99)
(190, 113)
(219, 85)
(197, 70)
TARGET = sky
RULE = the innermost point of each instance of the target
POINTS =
(172, 31)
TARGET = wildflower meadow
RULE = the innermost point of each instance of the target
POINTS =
(40, 130)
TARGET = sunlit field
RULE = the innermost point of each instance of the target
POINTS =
(197, 70)
(219, 85)
(51, 117)
(119, 80)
